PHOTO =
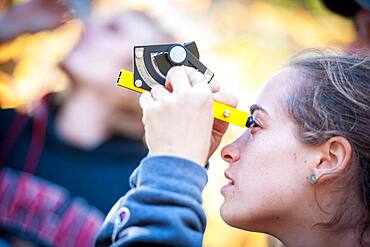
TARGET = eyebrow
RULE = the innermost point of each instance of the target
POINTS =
(256, 107)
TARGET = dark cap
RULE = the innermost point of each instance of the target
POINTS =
(346, 7)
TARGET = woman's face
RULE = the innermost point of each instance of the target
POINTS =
(268, 166)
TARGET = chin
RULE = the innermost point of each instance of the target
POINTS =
(242, 218)
(231, 216)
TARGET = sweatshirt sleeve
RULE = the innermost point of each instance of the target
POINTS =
(163, 208)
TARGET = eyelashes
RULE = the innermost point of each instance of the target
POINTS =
(251, 123)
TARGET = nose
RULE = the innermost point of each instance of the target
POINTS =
(231, 153)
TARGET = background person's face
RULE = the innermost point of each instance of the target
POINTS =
(105, 48)
(268, 165)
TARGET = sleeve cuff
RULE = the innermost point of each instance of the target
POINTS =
(173, 174)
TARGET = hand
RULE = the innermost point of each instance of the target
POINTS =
(219, 127)
(180, 122)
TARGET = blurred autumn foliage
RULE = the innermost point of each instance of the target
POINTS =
(243, 42)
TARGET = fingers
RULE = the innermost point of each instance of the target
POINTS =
(226, 98)
(177, 79)
(181, 78)
(195, 77)
(146, 100)
(184, 78)
(214, 85)
(202, 87)
(159, 92)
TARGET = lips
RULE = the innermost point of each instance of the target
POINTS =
(227, 175)
(229, 185)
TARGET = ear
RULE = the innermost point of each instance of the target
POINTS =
(336, 155)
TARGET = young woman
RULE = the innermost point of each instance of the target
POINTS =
(300, 172)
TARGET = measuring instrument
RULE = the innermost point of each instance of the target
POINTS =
(151, 64)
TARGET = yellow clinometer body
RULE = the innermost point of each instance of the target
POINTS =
(221, 111)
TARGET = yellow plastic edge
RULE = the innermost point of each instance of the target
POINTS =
(126, 79)
(233, 116)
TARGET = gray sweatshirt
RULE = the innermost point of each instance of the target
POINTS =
(163, 207)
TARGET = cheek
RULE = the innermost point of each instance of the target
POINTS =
(269, 180)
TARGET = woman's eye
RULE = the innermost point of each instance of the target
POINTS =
(255, 124)
(252, 123)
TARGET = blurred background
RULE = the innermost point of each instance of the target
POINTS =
(243, 42)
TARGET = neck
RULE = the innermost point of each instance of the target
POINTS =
(82, 120)
(319, 238)
(308, 234)
(303, 225)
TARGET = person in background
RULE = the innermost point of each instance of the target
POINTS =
(64, 166)
(38, 15)
(359, 11)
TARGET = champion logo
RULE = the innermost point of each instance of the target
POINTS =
(122, 216)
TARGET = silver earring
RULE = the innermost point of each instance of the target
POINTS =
(313, 179)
